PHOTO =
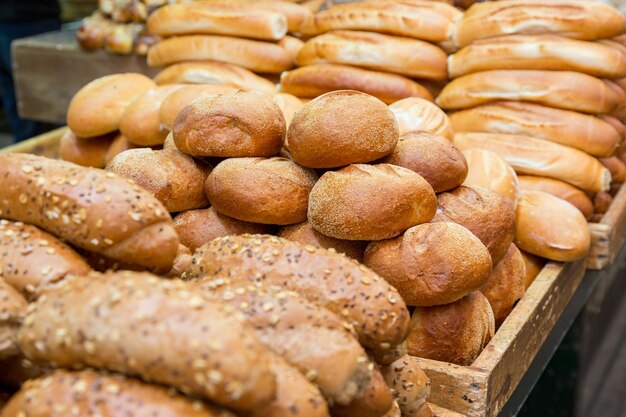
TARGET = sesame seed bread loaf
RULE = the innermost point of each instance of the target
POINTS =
(374, 401)
(409, 384)
(12, 310)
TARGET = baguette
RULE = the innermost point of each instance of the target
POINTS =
(575, 196)
(292, 46)
(88, 208)
(373, 307)
(486, 169)
(374, 401)
(415, 114)
(528, 155)
(12, 311)
(179, 99)
(87, 152)
(211, 352)
(409, 384)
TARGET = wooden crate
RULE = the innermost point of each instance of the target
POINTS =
(46, 144)
(607, 237)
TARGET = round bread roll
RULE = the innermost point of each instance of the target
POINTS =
(120, 144)
(617, 168)
(305, 233)
(140, 123)
(197, 227)
(486, 169)
(602, 202)
(575, 196)
(433, 157)
(431, 264)
(454, 333)
(370, 202)
(550, 227)
(244, 123)
(405, 56)
(414, 113)
(88, 152)
(505, 285)
(409, 384)
(485, 213)
(178, 100)
(330, 131)
(314, 80)
(288, 104)
(98, 107)
(261, 190)
(532, 265)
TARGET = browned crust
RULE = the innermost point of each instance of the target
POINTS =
(415, 114)
(175, 102)
(561, 189)
(305, 234)
(89, 152)
(409, 384)
(12, 311)
(487, 169)
(374, 401)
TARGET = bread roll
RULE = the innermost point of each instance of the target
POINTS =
(84, 393)
(213, 72)
(370, 202)
(413, 263)
(561, 89)
(314, 80)
(179, 99)
(88, 208)
(414, 113)
(433, 157)
(617, 168)
(601, 202)
(550, 227)
(140, 122)
(305, 234)
(409, 384)
(574, 196)
(230, 125)
(332, 280)
(292, 46)
(528, 155)
(288, 104)
(486, 169)
(388, 356)
(98, 107)
(406, 56)
(256, 56)
(12, 310)
(581, 131)
(454, 333)
(374, 401)
(539, 52)
(89, 152)
(199, 336)
(261, 190)
(329, 132)
(120, 144)
(533, 266)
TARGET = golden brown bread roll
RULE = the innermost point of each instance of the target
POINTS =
(181, 262)
(539, 52)
(305, 234)
(374, 401)
(212, 353)
(12, 311)
(243, 123)
(617, 168)
(533, 266)
(89, 208)
(254, 55)
(409, 384)
(261, 190)
(550, 227)
(582, 131)
(314, 80)
(333, 281)
(179, 99)
(414, 113)
(120, 144)
(486, 169)
(485, 213)
(413, 263)
(575, 196)
(213, 72)
(328, 132)
(88, 152)
(601, 202)
(288, 104)
(578, 19)
(454, 333)
(528, 155)
(88, 392)
(405, 56)
(197, 227)
(98, 106)
(561, 89)
(433, 157)
(370, 202)
(388, 356)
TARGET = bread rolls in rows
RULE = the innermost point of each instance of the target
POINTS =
(414, 114)
(488, 170)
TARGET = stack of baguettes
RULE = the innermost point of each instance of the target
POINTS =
(539, 84)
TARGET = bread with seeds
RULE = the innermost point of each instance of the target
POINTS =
(374, 401)
(12, 310)
(409, 384)
(210, 351)
(89, 208)
(372, 306)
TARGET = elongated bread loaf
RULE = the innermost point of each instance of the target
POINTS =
(528, 155)
(617, 168)
(12, 310)
(414, 114)
(409, 384)
(574, 196)
(487, 169)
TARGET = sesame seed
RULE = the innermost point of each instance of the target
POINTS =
(51, 251)
(268, 306)
(311, 375)
(27, 169)
(109, 175)
(23, 198)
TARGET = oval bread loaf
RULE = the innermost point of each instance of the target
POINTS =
(409, 384)
(87, 152)
(486, 169)
(414, 114)
(178, 100)
(575, 196)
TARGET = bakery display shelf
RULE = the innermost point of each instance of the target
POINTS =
(607, 237)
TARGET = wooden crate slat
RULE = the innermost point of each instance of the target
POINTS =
(607, 237)
(442, 412)
(46, 144)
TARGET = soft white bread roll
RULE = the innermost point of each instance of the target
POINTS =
(98, 107)
(540, 52)
(575, 196)
(178, 100)
(487, 169)
(561, 89)
(254, 55)
(314, 80)
(213, 72)
(551, 227)
(528, 155)
(588, 133)
(428, 20)
(414, 114)
(579, 19)
(406, 56)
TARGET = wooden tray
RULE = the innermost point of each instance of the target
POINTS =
(607, 237)
(46, 144)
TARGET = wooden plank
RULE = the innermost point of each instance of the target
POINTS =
(600, 251)
(442, 412)
(607, 237)
(46, 144)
